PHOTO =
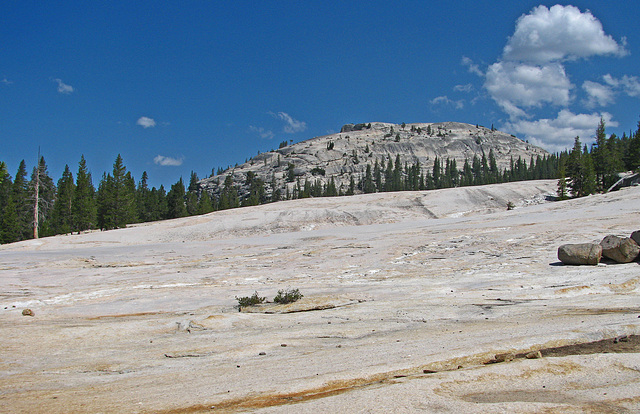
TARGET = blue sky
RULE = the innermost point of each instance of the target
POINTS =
(196, 85)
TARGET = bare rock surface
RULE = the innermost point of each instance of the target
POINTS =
(426, 287)
(346, 155)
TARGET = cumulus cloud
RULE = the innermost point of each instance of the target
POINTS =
(167, 161)
(516, 85)
(630, 85)
(598, 94)
(291, 125)
(146, 122)
(531, 76)
(264, 134)
(444, 100)
(559, 33)
(63, 87)
(559, 133)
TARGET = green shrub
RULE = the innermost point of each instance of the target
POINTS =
(249, 300)
(287, 296)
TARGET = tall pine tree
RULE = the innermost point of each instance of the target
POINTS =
(116, 198)
(61, 221)
(83, 209)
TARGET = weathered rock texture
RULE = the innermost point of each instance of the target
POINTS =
(580, 254)
(423, 283)
(620, 249)
(635, 236)
(346, 154)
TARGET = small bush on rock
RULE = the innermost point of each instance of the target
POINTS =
(249, 300)
(287, 296)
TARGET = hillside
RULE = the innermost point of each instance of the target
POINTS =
(406, 296)
(345, 155)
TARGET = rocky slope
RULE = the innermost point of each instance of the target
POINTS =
(346, 154)
(410, 300)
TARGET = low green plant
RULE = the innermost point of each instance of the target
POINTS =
(253, 300)
(287, 296)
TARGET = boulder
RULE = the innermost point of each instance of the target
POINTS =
(28, 312)
(580, 254)
(635, 236)
(620, 249)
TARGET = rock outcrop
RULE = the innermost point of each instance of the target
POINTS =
(344, 156)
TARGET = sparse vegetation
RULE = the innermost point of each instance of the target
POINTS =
(252, 300)
(287, 296)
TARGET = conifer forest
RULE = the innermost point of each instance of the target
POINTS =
(35, 205)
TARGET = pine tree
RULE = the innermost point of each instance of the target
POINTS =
(159, 210)
(632, 158)
(562, 181)
(437, 173)
(204, 203)
(9, 224)
(22, 203)
(144, 207)
(61, 221)
(83, 208)
(575, 169)
(377, 175)
(116, 198)
(43, 194)
(387, 175)
(397, 175)
(589, 179)
(494, 173)
(602, 156)
(467, 174)
(192, 195)
(175, 200)
(368, 186)
(476, 168)
(229, 195)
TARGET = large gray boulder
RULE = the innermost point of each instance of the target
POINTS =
(580, 254)
(620, 249)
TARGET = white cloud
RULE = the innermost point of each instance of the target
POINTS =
(167, 161)
(444, 100)
(598, 94)
(264, 134)
(559, 133)
(63, 87)
(531, 76)
(559, 33)
(517, 85)
(472, 67)
(463, 88)
(291, 125)
(627, 84)
(6, 81)
(146, 122)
